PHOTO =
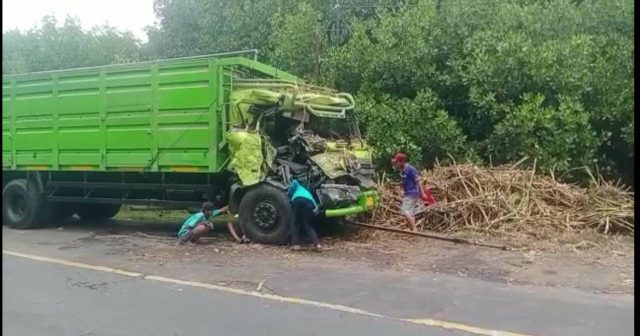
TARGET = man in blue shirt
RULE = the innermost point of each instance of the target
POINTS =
(411, 187)
(304, 207)
(198, 225)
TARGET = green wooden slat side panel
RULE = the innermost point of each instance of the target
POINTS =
(156, 117)
(153, 116)
(6, 124)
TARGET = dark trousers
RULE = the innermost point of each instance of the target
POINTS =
(301, 223)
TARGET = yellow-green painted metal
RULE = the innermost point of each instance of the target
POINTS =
(366, 201)
(169, 115)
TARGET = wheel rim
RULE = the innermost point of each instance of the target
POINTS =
(265, 216)
(18, 205)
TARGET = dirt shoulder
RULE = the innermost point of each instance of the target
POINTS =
(595, 269)
(605, 266)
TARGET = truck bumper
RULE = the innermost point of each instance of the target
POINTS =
(366, 201)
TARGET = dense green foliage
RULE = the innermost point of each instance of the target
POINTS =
(51, 46)
(490, 81)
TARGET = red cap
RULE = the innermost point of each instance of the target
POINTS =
(399, 158)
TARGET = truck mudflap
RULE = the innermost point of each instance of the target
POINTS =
(366, 201)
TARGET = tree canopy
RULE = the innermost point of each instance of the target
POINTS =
(51, 46)
(484, 80)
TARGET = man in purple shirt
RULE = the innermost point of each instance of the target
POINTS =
(411, 186)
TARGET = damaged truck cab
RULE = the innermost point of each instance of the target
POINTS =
(176, 133)
(283, 130)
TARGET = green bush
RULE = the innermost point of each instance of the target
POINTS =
(418, 127)
(558, 138)
(482, 60)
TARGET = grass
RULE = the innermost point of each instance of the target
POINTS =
(177, 216)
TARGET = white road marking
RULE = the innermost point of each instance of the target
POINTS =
(292, 300)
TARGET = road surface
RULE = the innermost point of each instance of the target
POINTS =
(84, 302)
(68, 282)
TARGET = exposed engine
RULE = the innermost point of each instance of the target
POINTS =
(335, 175)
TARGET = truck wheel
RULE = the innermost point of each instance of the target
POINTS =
(22, 205)
(265, 214)
(97, 212)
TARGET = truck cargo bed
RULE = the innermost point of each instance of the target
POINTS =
(168, 115)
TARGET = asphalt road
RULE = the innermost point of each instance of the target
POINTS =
(73, 301)
(67, 282)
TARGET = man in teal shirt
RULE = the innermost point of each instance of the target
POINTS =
(198, 225)
(304, 207)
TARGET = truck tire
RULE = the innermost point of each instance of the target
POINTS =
(22, 205)
(265, 215)
(97, 212)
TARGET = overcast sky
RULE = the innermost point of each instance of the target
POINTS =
(132, 15)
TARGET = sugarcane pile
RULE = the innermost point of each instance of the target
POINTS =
(514, 205)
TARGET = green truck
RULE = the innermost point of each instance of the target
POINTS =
(176, 133)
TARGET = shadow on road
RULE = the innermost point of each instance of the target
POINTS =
(117, 226)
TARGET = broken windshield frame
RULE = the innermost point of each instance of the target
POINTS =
(333, 128)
